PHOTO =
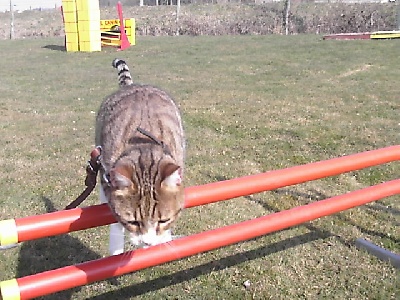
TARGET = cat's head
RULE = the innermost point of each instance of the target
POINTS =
(147, 199)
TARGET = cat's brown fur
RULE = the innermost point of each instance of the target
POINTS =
(140, 131)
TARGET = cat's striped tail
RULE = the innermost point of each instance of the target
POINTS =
(124, 75)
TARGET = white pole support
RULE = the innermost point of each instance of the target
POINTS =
(379, 252)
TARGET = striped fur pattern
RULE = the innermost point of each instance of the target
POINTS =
(124, 75)
(140, 131)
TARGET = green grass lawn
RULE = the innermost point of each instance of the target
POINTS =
(250, 104)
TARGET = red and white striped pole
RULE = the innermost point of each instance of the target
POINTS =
(60, 222)
(72, 276)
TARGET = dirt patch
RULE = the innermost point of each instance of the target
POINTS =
(355, 71)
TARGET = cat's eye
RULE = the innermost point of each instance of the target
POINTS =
(134, 223)
(164, 221)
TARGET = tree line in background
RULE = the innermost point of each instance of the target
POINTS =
(256, 17)
(268, 18)
(105, 3)
(225, 19)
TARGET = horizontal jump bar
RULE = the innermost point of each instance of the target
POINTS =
(72, 276)
(61, 222)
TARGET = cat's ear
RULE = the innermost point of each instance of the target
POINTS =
(120, 177)
(171, 176)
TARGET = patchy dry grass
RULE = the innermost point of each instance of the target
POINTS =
(250, 104)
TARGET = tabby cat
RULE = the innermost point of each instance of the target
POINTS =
(139, 130)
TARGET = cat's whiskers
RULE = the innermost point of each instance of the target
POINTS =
(168, 244)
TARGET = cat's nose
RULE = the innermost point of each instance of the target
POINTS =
(146, 245)
(150, 238)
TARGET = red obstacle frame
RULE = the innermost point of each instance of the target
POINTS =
(61, 222)
(72, 276)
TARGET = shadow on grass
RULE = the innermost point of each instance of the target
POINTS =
(378, 207)
(217, 265)
(311, 196)
(51, 253)
(375, 207)
(55, 47)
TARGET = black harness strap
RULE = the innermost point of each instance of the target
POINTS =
(155, 140)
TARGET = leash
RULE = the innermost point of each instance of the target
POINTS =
(92, 169)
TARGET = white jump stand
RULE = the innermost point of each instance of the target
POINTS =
(379, 252)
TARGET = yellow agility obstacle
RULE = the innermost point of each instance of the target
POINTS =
(85, 31)
(111, 32)
(386, 34)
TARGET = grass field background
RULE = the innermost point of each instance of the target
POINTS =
(250, 104)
